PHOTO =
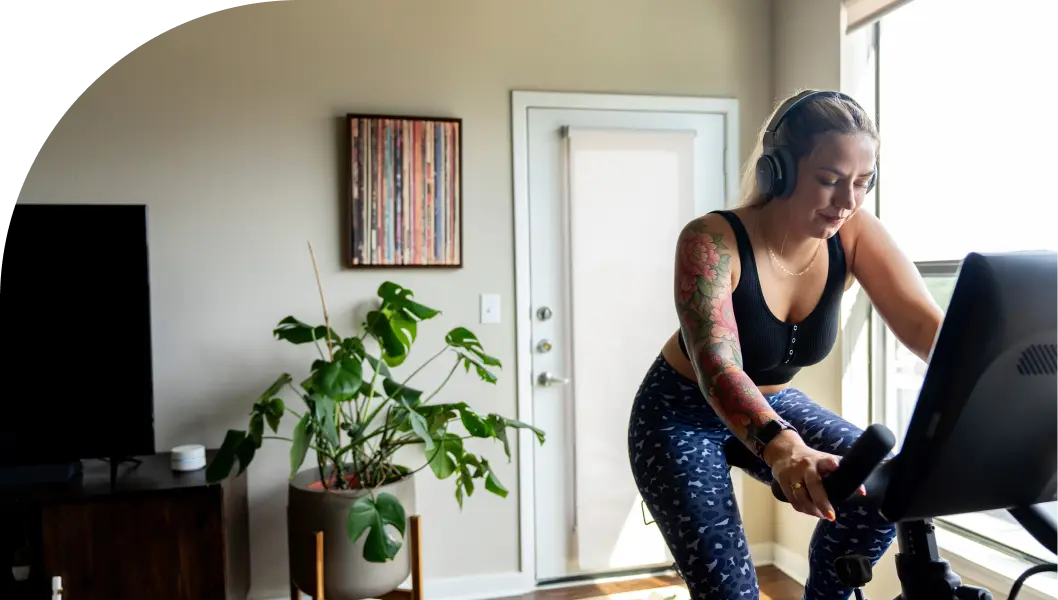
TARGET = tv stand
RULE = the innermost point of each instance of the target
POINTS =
(115, 462)
(41, 474)
(144, 532)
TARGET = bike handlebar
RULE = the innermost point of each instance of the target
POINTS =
(855, 467)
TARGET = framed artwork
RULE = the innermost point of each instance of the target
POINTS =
(406, 191)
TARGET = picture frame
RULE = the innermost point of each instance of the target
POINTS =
(405, 197)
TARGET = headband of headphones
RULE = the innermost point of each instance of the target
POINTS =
(792, 103)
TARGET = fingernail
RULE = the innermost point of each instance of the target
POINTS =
(831, 515)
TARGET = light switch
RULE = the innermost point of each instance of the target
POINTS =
(490, 308)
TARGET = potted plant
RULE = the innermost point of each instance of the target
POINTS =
(357, 415)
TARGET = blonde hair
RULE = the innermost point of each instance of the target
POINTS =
(799, 133)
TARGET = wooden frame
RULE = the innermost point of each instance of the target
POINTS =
(405, 196)
(414, 548)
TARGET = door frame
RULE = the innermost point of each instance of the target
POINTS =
(521, 102)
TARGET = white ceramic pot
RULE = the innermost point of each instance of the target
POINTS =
(347, 575)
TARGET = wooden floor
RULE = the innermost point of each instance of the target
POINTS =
(774, 585)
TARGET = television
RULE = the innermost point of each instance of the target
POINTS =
(75, 301)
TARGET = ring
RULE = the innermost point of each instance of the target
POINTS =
(797, 485)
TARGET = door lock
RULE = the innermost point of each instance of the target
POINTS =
(544, 346)
(548, 379)
(543, 313)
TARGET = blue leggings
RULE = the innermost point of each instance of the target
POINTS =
(675, 444)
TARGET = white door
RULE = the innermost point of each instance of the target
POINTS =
(608, 191)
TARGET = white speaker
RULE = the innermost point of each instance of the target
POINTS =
(191, 457)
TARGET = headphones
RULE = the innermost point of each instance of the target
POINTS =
(776, 167)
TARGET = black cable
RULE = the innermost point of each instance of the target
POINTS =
(1029, 573)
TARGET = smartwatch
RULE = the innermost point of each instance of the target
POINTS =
(766, 433)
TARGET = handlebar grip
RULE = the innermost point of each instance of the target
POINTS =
(863, 457)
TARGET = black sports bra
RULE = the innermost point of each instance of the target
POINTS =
(774, 351)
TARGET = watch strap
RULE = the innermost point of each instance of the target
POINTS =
(763, 435)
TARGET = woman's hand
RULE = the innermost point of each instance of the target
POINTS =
(800, 470)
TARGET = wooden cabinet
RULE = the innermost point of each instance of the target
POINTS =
(153, 534)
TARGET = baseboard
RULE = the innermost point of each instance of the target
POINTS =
(763, 554)
(470, 587)
(476, 587)
(794, 564)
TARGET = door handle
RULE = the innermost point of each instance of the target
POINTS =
(546, 378)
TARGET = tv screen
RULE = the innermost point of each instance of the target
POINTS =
(75, 300)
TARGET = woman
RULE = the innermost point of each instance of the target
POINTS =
(758, 292)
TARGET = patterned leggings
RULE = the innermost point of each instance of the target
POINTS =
(675, 444)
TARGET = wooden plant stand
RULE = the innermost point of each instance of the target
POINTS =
(414, 547)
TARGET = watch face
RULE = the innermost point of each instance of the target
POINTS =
(767, 432)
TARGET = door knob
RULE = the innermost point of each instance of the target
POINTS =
(549, 379)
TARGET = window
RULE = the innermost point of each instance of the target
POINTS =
(965, 94)
(903, 372)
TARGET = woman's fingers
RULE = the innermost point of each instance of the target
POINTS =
(827, 466)
(819, 495)
(787, 491)
(802, 499)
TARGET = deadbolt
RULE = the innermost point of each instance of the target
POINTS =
(543, 346)
(543, 313)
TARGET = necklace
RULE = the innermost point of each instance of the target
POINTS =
(787, 271)
(779, 264)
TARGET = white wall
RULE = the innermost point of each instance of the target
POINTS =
(229, 128)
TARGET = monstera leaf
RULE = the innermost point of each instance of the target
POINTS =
(372, 515)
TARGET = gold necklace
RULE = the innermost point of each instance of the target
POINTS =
(779, 264)
(787, 271)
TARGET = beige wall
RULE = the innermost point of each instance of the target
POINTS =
(807, 36)
(229, 128)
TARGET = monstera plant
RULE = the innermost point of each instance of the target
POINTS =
(358, 413)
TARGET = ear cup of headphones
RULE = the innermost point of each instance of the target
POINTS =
(768, 174)
(788, 170)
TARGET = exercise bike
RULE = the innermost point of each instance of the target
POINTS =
(922, 572)
(982, 436)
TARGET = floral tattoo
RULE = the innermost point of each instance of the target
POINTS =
(707, 320)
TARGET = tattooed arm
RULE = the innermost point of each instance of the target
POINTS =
(705, 251)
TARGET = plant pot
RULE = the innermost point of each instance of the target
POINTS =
(347, 575)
